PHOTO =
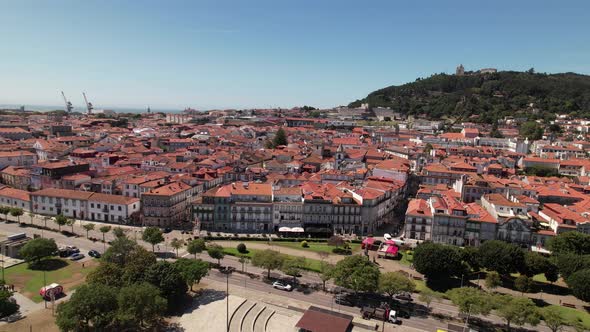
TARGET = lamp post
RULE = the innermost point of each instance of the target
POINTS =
(227, 271)
(45, 286)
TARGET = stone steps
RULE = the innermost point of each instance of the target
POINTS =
(250, 319)
(261, 321)
(237, 318)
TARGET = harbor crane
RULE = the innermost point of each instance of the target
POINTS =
(89, 106)
(69, 106)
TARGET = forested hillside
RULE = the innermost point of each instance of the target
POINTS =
(489, 96)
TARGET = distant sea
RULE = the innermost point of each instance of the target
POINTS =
(47, 108)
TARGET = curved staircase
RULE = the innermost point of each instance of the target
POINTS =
(250, 317)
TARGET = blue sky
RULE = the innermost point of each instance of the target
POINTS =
(221, 54)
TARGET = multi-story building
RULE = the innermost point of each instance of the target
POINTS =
(16, 177)
(17, 158)
(112, 208)
(419, 218)
(167, 205)
(15, 198)
(14, 133)
(84, 205)
(287, 208)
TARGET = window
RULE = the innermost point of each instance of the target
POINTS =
(119, 208)
(92, 205)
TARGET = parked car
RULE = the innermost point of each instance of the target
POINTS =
(404, 296)
(76, 257)
(94, 253)
(282, 285)
(73, 249)
(167, 230)
(387, 236)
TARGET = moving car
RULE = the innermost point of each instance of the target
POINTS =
(381, 314)
(282, 285)
(94, 253)
(76, 257)
(387, 236)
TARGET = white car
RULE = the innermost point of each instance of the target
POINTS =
(387, 236)
(282, 286)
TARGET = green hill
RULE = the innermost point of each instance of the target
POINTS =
(487, 96)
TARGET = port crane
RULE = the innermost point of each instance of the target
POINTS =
(69, 106)
(89, 106)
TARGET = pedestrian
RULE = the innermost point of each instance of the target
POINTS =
(82, 265)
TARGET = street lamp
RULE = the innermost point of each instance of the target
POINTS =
(227, 271)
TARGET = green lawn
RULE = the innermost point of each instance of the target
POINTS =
(32, 280)
(312, 264)
(573, 315)
(313, 246)
(407, 257)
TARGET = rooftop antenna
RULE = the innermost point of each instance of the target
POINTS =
(69, 106)
(89, 106)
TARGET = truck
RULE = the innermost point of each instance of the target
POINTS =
(381, 314)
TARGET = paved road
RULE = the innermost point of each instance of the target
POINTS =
(319, 298)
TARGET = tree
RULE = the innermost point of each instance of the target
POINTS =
(88, 227)
(108, 274)
(570, 242)
(568, 263)
(267, 259)
(534, 263)
(216, 252)
(242, 248)
(119, 232)
(192, 270)
(60, 220)
(16, 212)
(470, 255)
(280, 138)
(292, 266)
(243, 259)
(493, 280)
(195, 247)
(104, 230)
(551, 273)
(523, 284)
(7, 305)
(140, 306)
(392, 283)
(70, 222)
(176, 244)
(136, 265)
(36, 249)
(91, 305)
(120, 251)
(471, 301)
(153, 236)
(356, 273)
(5, 210)
(438, 261)
(532, 130)
(517, 310)
(553, 318)
(168, 278)
(325, 273)
(500, 256)
(31, 215)
(428, 295)
(579, 283)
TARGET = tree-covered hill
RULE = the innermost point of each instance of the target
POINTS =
(490, 96)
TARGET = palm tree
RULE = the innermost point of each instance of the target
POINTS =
(104, 230)
(88, 227)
